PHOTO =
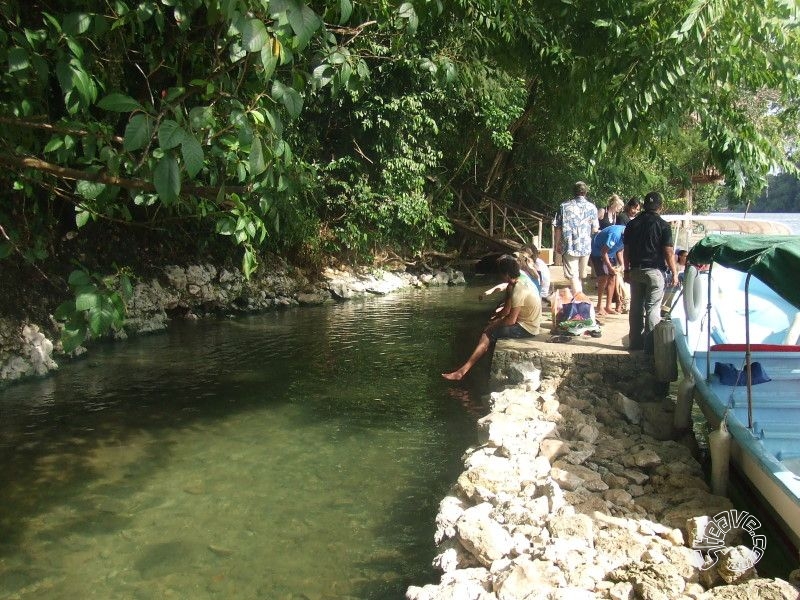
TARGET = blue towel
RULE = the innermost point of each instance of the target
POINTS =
(730, 375)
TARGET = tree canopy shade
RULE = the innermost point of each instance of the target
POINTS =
(344, 126)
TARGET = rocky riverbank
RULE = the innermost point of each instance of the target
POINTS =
(578, 491)
(198, 291)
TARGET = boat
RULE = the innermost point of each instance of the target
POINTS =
(737, 335)
(689, 229)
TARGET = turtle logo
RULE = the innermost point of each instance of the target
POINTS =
(713, 539)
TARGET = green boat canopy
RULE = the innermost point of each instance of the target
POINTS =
(774, 259)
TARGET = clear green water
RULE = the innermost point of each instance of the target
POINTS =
(297, 454)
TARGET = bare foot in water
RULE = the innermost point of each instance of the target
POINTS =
(454, 376)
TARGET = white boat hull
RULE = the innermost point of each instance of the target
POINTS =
(765, 438)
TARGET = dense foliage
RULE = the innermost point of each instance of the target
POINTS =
(347, 126)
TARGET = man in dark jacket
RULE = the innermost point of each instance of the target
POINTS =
(648, 255)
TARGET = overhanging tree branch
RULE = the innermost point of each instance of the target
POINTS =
(29, 162)
(50, 127)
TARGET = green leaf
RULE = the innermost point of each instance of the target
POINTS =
(119, 103)
(345, 10)
(75, 47)
(254, 35)
(201, 117)
(323, 74)
(72, 337)
(289, 96)
(17, 59)
(79, 278)
(89, 189)
(53, 21)
(170, 134)
(249, 263)
(138, 132)
(304, 22)
(87, 300)
(257, 164)
(226, 226)
(65, 310)
(406, 10)
(269, 61)
(54, 144)
(101, 318)
(167, 179)
(84, 84)
(174, 93)
(192, 153)
(338, 57)
(77, 23)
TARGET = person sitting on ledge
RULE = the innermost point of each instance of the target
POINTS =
(519, 318)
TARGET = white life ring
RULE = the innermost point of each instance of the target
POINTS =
(692, 294)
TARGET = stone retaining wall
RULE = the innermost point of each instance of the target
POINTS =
(196, 291)
(577, 491)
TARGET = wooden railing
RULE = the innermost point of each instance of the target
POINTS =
(504, 225)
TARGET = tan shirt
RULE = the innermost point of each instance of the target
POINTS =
(525, 297)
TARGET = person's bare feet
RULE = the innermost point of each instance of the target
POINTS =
(454, 376)
(600, 312)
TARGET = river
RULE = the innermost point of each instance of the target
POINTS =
(299, 454)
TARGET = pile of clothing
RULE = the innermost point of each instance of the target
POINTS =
(573, 315)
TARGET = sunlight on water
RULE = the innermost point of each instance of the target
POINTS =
(299, 454)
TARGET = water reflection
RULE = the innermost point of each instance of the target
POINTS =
(296, 454)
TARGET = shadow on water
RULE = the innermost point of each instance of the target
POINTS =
(172, 462)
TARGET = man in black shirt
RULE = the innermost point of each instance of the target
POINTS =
(648, 254)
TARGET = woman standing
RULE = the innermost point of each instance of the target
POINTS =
(613, 208)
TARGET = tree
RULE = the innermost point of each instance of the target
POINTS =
(340, 126)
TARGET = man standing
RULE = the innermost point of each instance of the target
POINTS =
(519, 318)
(607, 250)
(648, 254)
(575, 222)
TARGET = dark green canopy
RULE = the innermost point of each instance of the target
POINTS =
(774, 259)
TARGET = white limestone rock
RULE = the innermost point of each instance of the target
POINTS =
(627, 408)
(529, 579)
(450, 510)
(763, 589)
(651, 582)
(482, 536)
(576, 528)
(453, 556)
(524, 372)
(553, 448)
(493, 475)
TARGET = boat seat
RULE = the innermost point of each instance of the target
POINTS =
(791, 459)
(781, 448)
(778, 401)
(778, 427)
